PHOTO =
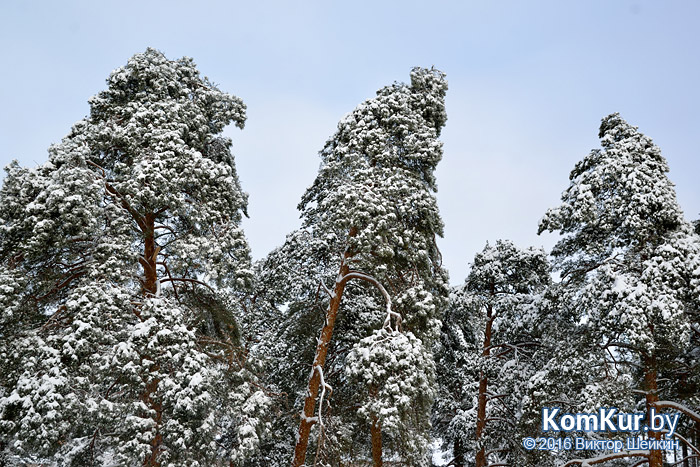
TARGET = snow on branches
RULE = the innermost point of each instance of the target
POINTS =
(105, 363)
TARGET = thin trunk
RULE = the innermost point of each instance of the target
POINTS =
(684, 453)
(652, 396)
(483, 387)
(458, 453)
(307, 416)
(481, 422)
(376, 432)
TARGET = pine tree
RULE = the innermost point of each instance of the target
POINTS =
(286, 313)
(628, 259)
(371, 215)
(122, 262)
(489, 336)
(570, 372)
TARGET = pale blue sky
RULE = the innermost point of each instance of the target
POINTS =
(529, 83)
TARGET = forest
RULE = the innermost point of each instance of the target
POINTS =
(135, 328)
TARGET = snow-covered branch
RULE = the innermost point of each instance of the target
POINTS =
(695, 328)
(326, 289)
(607, 457)
(499, 419)
(389, 312)
(685, 460)
(492, 396)
(184, 279)
(680, 407)
(641, 462)
(324, 386)
(687, 443)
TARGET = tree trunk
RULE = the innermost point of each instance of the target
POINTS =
(483, 387)
(324, 340)
(697, 439)
(458, 454)
(481, 422)
(652, 396)
(376, 432)
(150, 288)
(150, 255)
(152, 459)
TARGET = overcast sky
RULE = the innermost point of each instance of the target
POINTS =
(529, 82)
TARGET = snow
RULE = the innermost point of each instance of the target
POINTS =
(196, 379)
(619, 286)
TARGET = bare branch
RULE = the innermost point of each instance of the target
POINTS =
(389, 313)
(60, 285)
(167, 271)
(184, 279)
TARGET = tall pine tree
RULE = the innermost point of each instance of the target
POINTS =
(373, 274)
(122, 261)
(628, 259)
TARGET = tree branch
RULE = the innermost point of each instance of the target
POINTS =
(606, 457)
(680, 407)
(389, 313)
(184, 279)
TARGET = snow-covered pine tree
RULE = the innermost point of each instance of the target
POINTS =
(628, 259)
(372, 207)
(489, 335)
(288, 310)
(121, 264)
(571, 372)
(457, 358)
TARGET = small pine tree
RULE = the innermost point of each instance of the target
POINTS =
(489, 336)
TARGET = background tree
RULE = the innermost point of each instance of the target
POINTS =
(122, 265)
(489, 337)
(628, 259)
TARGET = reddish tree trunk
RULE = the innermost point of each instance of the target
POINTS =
(376, 432)
(150, 254)
(651, 387)
(150, 287)
(152, 459)
(483, 387)
(307, 420)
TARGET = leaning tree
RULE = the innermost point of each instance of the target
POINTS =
(373, 215)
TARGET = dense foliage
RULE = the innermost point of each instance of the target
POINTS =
(488, 348)
(122, 264)
(370, 216)
(134, 329)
